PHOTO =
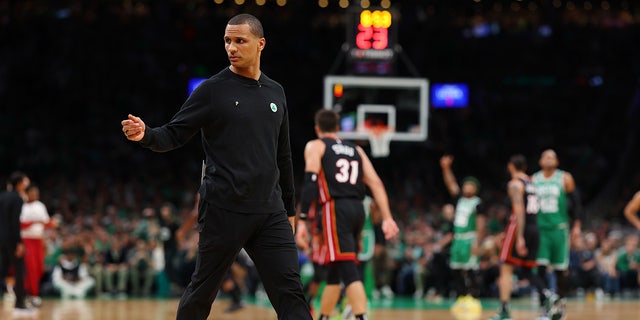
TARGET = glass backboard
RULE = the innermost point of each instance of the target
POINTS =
(401, 104)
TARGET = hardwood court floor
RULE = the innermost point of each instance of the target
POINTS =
(151, 309)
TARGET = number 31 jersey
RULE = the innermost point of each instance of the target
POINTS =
(341, 173)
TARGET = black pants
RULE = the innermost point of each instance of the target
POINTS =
(268, 239)
(441, 274)
(7, 259)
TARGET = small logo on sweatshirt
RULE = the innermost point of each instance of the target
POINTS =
(273, 106)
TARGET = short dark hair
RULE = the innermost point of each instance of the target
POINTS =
(474, 181)
(519, 162)
(16, 177)
(327, 120)
(252, 21)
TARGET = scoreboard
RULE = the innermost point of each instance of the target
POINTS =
(372, 36)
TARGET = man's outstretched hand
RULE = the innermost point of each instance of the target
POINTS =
(133, 128)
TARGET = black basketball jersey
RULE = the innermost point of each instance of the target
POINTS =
(530, 203)
(341, 173)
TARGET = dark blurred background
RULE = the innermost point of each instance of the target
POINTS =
(542, 74)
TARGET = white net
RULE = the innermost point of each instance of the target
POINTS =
(379, 140)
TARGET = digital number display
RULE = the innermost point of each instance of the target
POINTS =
(373, 30)
(371, 35)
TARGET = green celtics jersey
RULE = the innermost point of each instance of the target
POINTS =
(368, 234)
(464, 220)
(552, 197)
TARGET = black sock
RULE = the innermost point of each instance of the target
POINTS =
(542, 275)
(561, 280)
(361, 317)
(461, 282)
(324, 317)
(236, 295)
(504, 307)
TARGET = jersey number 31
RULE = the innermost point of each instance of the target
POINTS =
(348, 171)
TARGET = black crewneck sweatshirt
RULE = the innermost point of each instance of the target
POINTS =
(245, 138)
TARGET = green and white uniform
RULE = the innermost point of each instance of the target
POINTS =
(464, 233)
(553, 220)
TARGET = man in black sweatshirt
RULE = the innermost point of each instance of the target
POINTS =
(11, 246)
(247, 194)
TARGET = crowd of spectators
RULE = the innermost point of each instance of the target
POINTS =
(541, 76)
(124, 252)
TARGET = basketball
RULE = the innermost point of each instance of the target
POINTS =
(466, 309)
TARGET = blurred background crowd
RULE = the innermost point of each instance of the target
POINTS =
(542, 74)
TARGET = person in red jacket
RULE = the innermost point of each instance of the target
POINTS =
(11, 246)
(34, 219)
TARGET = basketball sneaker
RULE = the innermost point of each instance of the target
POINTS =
(474, 301)
(24, 313)
(387, 293)
(502, 315)
(543, 317)
(557, 311)
(9, 297)
(549, 299)
(34, 301)
(460, 300)
(347, 313)
(466, 308)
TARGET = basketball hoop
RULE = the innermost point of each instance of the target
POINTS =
(379, 140)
